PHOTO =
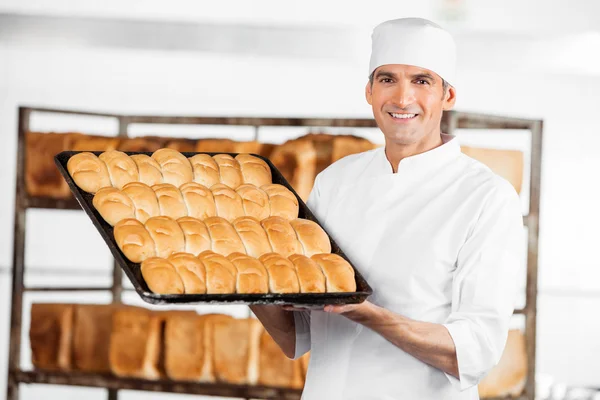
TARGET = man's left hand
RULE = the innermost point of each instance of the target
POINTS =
(359, 313)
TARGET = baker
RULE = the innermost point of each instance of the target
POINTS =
(435, 233)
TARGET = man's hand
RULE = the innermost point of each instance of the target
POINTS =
(359, 313)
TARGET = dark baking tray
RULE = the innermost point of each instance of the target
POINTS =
(133, 272)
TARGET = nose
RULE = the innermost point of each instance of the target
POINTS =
(403, 95)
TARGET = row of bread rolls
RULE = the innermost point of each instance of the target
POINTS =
(140, 201)
(212, 273)
(163, 236)
(116, 169)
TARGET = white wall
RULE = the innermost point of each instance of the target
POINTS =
(148, 82)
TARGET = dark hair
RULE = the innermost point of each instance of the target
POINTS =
(445, 85)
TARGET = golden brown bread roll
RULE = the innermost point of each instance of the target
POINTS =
(220, 273)
(282, 273)
(144, 200)
(197, 237)
(50, 335)
(148, 169)
(170, 201)
(311, 236)
(283, 202)
(235, 349)
(161, 276)
(89, 172)
(253, 236)
(254, 170)
(191, 271)
(339, 275)
(206, 170)
(113, 205)
(224, 237)
(215, 146)
(199, 200)
(282, 236)
(121, 168)
(167, 235)
(255, 201)
(134, 240)
(310, 275)
(91, 337)
(175, 167)
(228, 203)
(252, 276)
(229, 170)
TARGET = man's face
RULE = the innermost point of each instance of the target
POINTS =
(408, 102)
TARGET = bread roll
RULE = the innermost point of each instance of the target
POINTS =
(192, 272)
(170, 201)
(199, 200)
(228, 203)
(121, 168)
(283, 202)
(281, 236)
(88, 172)
(113, 205)
(161, 276)
(148, 169)
(175, 167)
(50, 334)
(233, 348)
(134, 240)
(311, 236)
(216, 146)
(253, 236)
(252, 276)
(229, 170)
(254, 170)
(310, 275)
(282, 274)
(144, 200)
(339, 275)
(167, 235)
(220, 273)
(197, 238)
(224, 237)
(206, 170)
(91, 337)
(255, 201)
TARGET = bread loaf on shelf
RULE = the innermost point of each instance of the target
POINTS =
(50, 336)
(252, 276)
(42, 178)
(182, 145)
(141, 144)
(275, 369)
(282, 273)
(82, 142)
(91, 337)
(297, 160)
(215, 146)
(339, 275)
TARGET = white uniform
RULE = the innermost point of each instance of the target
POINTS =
(439, 241)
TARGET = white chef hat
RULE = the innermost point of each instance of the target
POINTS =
(414, 41)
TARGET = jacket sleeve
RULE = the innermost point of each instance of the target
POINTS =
(484, 289)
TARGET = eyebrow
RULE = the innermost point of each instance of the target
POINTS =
(392, 75)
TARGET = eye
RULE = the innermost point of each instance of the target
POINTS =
(422, 82)
(385, 80)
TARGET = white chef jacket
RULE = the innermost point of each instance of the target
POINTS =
(438, 241)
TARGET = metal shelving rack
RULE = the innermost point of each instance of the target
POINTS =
(451, 121)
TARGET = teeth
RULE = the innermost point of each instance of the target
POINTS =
(403, 116)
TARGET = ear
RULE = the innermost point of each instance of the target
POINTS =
(369, 93)
(449, 99)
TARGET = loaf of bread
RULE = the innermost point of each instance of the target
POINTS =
(282, 236)
(509, 164)
(148, 168)
(141, 144)
(282, 201)
(206, 170)
(229, 170)
(191, 271)
(170, 201)
(144, 200)
(161, 276)
(253, 236)
(175, 167)
(88, 172)
(252, 276)
(50, 336)
(182, 145)
(228, 203)
(311, 236)
(197, 237)
(113, 205)
(235, 347)
(297, 161)
(225, 240)
(255, 201)
(275, 369)
(134, 240)
(167, 236)
(215, 146)
(220, 273)
(310, 275)
(199, 200)
(42, 178)
(282, 273)
(253, 147)
(94, 143)
(254, 170)
(91, 337)
(339, 275)
(121, 168)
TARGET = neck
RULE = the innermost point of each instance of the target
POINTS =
(395, 151)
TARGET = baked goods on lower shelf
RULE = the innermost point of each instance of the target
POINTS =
(91, 337)
(50, 336)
